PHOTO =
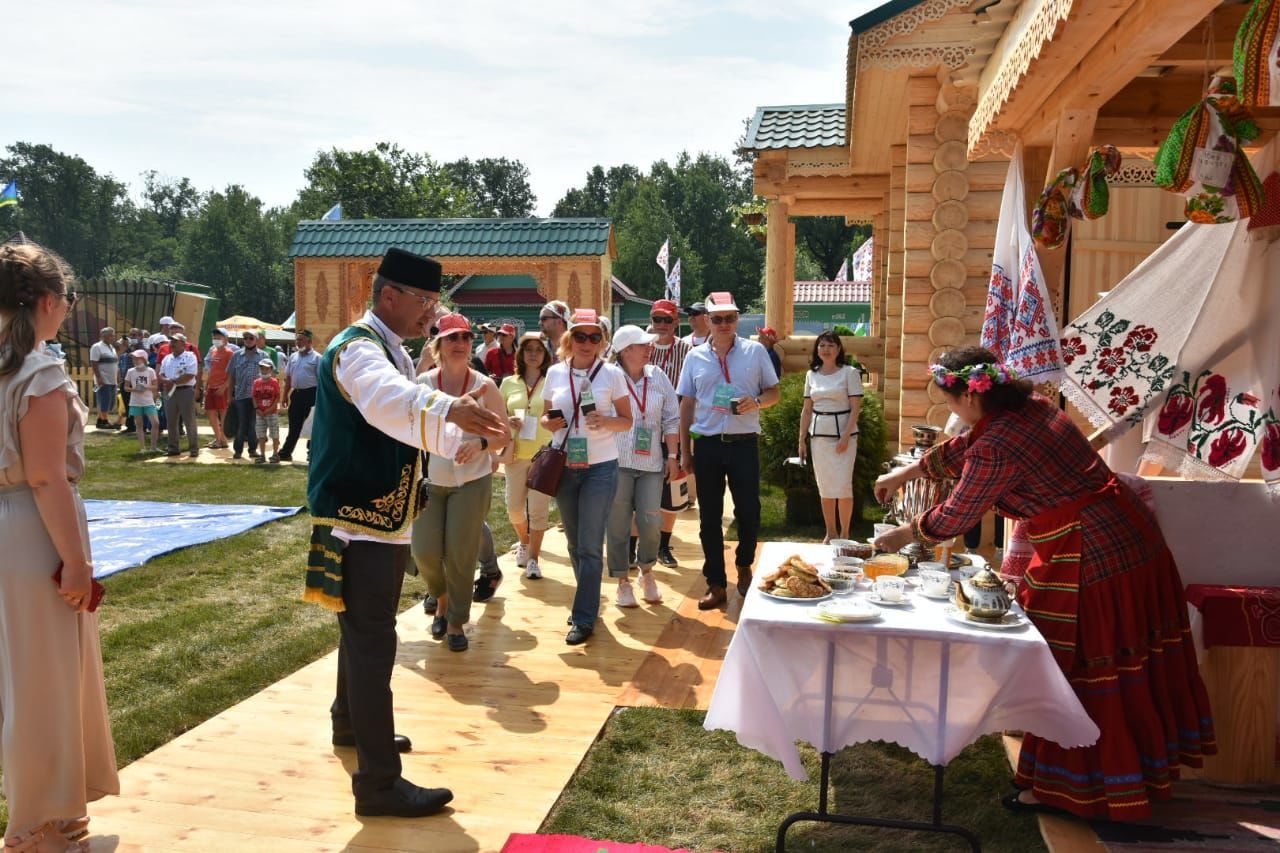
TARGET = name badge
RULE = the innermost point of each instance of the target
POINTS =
(529, 427)
(723, 399)
(644, 441)
(577, 450)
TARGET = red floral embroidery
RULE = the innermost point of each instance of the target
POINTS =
(1176, 414)
(1141, 338)
(1249, 399)
(1271, 446)
(1227, 446)
(1213, 399)
(1094, 384)
(1111, 359)
(1072, 347)
(1122, 399)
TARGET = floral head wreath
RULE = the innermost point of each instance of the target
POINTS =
(977, 377)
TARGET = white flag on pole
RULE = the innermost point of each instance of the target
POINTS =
(673, 283)
(843, 273)
(664, 255)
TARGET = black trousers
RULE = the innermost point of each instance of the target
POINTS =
(714, 463)
(246, 426)
(372, 574)
(300, 402)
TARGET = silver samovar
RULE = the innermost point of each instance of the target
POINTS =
(920, 494)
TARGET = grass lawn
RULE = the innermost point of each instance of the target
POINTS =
(656, 776)
(774, 524)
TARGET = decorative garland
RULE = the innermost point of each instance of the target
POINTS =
(979, 378)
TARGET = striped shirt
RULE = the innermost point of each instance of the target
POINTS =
(670, 359)
(661, 416)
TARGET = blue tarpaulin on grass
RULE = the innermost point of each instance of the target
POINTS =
(125, 534)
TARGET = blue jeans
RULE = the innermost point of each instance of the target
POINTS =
(639, 494)
(585, 498)
(106, 399)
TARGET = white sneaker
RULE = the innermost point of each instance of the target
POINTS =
(626, 597)
(522, 555)
(649, 588)
(531, 571)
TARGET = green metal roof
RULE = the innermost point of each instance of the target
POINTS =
(882, 13)
(796, 126)
(456, 238)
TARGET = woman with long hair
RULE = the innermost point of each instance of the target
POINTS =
(643, 466)
(55, 744)
(527, 509)
(1102, 588)
(829, 424)
(586, 403)
(446, 535)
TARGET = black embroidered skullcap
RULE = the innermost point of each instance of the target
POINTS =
(410, 270)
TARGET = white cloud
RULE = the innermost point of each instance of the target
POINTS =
(247, 92)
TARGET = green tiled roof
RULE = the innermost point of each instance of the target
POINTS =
(457, 238)
(802, 126)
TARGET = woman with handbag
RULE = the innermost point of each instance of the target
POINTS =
(643, 468)
(446, 535)
(829, 420)
(522, 392)
(55, 745)
(586, 403)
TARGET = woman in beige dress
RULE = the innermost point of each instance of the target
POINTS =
(55, 739)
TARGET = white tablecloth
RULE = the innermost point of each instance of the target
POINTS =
(913, 677)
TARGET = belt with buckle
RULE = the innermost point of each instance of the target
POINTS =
(733, 437)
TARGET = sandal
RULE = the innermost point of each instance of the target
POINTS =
(46, 839)
(74, 829)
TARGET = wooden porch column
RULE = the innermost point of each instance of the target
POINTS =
(893, 290)
(780, 269)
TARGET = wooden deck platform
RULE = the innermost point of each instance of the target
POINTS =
(504, 725)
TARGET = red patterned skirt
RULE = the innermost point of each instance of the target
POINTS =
(1121, 636)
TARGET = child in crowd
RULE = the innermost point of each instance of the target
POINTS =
(266, 402)
(142, 383)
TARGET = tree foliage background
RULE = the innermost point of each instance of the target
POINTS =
(228, 239)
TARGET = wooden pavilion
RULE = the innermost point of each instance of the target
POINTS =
(334, 260)
(937, 93)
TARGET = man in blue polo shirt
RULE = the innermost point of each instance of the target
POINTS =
(722, 388)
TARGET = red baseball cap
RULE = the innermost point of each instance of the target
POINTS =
(452, 324)
(585, 317)
(665, 306)
(508, 330)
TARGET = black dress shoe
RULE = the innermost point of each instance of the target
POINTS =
(457, 642)
(404, 799)
(439, 627)
(403, 744)
(666, 557)
(429, 604)
(577, 635)
(1017, 806)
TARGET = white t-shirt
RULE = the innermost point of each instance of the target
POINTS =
(137, 381)
(610, 384)
(106, 364)
(442, 470)
(175, 366)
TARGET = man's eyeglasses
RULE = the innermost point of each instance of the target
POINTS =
(72, 298)
(583, 337)
(427, 301)
(722, 319)
(662, 321)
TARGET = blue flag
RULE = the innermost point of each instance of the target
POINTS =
(334, 213)
(9, 195)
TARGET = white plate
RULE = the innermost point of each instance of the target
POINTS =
(849, 611)
(946, 596)
(792, 599)
(1011, 620)
(874, 598)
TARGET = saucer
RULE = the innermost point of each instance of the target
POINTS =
(847, 611)
(1011, 620)
(945, 596)
(874, 598)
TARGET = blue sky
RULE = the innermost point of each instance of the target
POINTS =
(247, 92)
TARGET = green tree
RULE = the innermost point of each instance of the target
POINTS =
(640, 231)
(829, 241)
(385, 182)
(239, 250)
(167, 205)
(596, 197)
(497, 187)
(69, 207)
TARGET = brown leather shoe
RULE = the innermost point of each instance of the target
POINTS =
(714, 598)
(744, 579)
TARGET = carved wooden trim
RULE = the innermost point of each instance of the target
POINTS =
(951, 56)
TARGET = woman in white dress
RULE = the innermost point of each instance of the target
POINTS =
(829, 421)
(55, 738)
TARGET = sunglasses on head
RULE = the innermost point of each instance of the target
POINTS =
(664, 321)
(584, 337)
(722, 319)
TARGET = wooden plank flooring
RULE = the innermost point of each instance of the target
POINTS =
(504, 725)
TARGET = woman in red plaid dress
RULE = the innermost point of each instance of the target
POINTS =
(1102, 588)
